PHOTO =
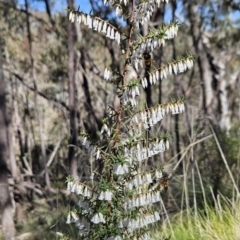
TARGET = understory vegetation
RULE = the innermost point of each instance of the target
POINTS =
(220, 223)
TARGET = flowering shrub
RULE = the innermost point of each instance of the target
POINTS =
(119, 203)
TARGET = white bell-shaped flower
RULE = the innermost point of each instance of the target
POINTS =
(98, 218)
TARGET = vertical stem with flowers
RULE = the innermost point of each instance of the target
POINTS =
(121, 202)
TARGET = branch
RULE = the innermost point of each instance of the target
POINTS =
(63, 104)
(52, 156)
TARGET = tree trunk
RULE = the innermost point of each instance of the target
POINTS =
(5, 199)
(207, 95)
(38, 115)
(72, 100)
(218, 64)
(176, 93)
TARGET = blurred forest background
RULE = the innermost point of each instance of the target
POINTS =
(52, 87)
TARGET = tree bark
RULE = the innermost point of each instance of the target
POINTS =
(72, 100)
(207, 95)
(5, 199)
(176, 92)
(218, 63)
(38, 115)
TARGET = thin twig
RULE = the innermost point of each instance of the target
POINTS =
(184, 152)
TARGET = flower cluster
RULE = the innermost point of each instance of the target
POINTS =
(105, 195)
(80, 189)
(129, 95)
(139, 180)
(120, 169)
(142, 199)
(152, 116)
(174, 67)
(85, 142)
(105, 130)
(95, 150)
(155, 38)
(142, 151)
(98, 218)
(72, 217)
(119, 10)
(112, 2)
(117, 5)
(145, 10)
(108, 74)
(81, 223)
(110, 77)
(96, 24)
(158, 174)
(137, 61)
(140, 222)
(143, 179)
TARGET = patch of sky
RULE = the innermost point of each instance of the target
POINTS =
(85, 6)
(56, 6)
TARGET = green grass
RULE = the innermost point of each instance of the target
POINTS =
(222, 223)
